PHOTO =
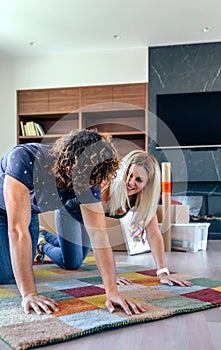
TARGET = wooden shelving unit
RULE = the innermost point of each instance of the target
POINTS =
(118, 109)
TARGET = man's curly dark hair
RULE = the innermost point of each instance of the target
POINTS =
(84, 158)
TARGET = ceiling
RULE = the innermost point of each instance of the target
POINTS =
(42, 27)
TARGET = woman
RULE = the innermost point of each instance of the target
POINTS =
(136, 187)
(35, 178)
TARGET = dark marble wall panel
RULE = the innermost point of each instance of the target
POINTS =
(185, 68)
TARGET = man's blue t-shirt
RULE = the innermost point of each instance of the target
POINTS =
(32, 164)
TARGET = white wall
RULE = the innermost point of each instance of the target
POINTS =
(81, 69)
(7, 106)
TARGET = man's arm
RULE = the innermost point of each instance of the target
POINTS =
(95, 223)
(18, 207)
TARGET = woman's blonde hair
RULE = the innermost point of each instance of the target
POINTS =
(148, 199)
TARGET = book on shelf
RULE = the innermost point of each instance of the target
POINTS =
(22, 128)
(31, 129)
(39, 129)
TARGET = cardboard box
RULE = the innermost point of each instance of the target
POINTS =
(47, 221)
(189, 237)
(114, 230)
(115, 234)
(179, 214)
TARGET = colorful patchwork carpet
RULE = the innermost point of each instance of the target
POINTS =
(81, 299)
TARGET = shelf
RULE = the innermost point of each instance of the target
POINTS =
(49, 115)
(125, 133)
(47, 139)
(54, 136)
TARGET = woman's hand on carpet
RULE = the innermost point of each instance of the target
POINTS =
(123, 281)
(39, 303)
(129, 306)
(169, 279)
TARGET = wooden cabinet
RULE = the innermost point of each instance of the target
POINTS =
(132, 94)
(63, 100)
(96, 96)
(118, 109)
(32, 101)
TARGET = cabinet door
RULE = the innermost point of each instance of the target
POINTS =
(32, 101)
(96, 97)
(64, 100)
(131, 94)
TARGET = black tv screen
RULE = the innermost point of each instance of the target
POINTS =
(189, 120)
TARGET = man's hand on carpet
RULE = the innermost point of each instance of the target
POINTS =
(169, 279)
(39, 303)
(123, 281)
(129, 306)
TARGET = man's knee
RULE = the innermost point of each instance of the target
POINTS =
(72, 265)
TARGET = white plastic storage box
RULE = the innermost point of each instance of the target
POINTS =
(190, 237)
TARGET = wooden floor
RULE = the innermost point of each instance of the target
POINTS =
(195, 331)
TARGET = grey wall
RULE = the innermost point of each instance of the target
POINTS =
(185, 68)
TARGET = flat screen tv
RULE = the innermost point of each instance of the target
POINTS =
(189, 120)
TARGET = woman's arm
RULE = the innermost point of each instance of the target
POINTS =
(155, 240)
(18, 207)
(95, 223)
